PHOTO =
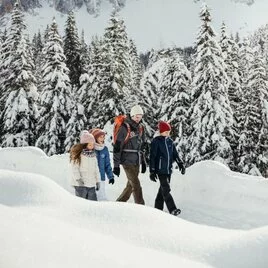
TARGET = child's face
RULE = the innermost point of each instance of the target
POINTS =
(101, 139)
(165, 134)
(90, 146)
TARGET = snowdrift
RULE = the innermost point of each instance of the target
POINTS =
(43, 225)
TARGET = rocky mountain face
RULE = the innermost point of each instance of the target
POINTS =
(64, 6)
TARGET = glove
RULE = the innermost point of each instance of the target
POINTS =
(182, 168)
(153, 176)
(116, 171)
(80, 182)
(97, 186)
(111, 181)
(143, 167)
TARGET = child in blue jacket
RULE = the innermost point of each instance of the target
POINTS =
(104, 163)
(162, 155)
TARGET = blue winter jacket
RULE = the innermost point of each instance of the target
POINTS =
(162, 155)
(104, 163)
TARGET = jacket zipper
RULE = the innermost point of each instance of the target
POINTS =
(167, 155)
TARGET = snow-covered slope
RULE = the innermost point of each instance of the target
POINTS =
(43, 225)
(209, 193)
(158, 23)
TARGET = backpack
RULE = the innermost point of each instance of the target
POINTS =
(118, 122)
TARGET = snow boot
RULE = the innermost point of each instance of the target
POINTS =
(176, 212)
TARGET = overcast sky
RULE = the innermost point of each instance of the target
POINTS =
(161, 23)
(176, 22)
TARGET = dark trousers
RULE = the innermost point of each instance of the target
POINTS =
(133, 185)
(164, 195)
(86, 192)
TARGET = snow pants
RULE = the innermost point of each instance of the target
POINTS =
(164, 195)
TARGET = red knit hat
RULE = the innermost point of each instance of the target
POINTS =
(163, 126)
(97, 132)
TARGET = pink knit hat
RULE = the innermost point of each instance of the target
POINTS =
(86, 137)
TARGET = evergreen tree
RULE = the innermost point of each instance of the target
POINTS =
(90, 83)
(8, 48)
(176, 101)
(254, 158)
(151, 93)
(72, 50)
(230, 52)
(74, 127)
(38, 57)
(136, 63)
(116, 74)
(117, 44)
(20, 114)
(245, 61)
(84, 55)
(56, 97)
(211, 115)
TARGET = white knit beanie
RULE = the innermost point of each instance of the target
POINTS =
(136, 110)
(86, 137)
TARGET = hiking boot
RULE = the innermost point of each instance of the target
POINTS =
(176, 212)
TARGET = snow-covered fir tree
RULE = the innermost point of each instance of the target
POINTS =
(75, 125)
(116, 43)
(136, 63)
(150, 93)
(20, 113)
(211, 114)
(56, 97)
(176, 94)
(72, 50)
(8, 48)
(38, 57)
(84, 54)
(245, 60)
(116, 77)
(254, 157)
(90, 83)
(230, 52)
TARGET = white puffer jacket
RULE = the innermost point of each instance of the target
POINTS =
(87, 171)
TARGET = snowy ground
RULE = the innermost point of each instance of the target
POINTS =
(224, 220)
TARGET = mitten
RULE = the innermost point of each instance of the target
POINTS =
(182, 168)
(116, 171)
(80, 182)
(111, 181)
(153, 176)
(97, 186)
(143, 167)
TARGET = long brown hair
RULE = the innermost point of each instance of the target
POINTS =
(75, 152)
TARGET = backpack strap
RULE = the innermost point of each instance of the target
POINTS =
(128, 133)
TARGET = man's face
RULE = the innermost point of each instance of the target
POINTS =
(137, 118)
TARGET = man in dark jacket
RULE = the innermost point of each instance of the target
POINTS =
(162, 155)
(127, 152)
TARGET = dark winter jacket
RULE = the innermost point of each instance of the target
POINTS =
(162, 155)
(104, 164)
(128, 153)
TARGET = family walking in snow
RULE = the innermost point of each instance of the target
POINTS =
(90, 161)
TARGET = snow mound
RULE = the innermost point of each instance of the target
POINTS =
(60, 229)
(22, 189)
(212, 184)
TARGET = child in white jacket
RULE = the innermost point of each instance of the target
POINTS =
(85, 171)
